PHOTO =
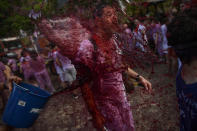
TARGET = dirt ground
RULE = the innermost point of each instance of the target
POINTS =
(157, 111)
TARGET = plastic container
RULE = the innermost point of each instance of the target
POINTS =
(24, 105)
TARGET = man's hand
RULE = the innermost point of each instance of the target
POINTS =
(13, 79)
(141, 79)
(10, 78)
(146, 84)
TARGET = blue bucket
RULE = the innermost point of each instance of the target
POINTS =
(24, 105)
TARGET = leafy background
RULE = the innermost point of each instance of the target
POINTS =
(14, 13)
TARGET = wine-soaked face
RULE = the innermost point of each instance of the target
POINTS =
(109, 17)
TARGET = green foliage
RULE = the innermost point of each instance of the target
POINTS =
(12, 24)
(130, 10)
(138, 10)
(26, 41)
(14, 15)
(4, 6)
(37, 7)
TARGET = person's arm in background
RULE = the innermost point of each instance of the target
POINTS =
(21, 65)
(10, 78)
(156, 40)
(134, 40)
(21, 68)
(58, 62)
(141, 79)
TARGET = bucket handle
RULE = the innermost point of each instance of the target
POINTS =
(27, 90)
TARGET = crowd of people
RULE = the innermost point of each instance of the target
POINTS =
(96, 57)
(37, 68)
(150, 35)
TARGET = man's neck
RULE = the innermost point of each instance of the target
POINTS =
(103, 34)
(189, 73)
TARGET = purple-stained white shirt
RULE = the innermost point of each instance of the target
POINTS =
(13, 64)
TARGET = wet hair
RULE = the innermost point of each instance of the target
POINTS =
(183, 35)
(51, 45)
(4, 60)
(33, 54)
(131, 25)
(24, 51)
(99, 8)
